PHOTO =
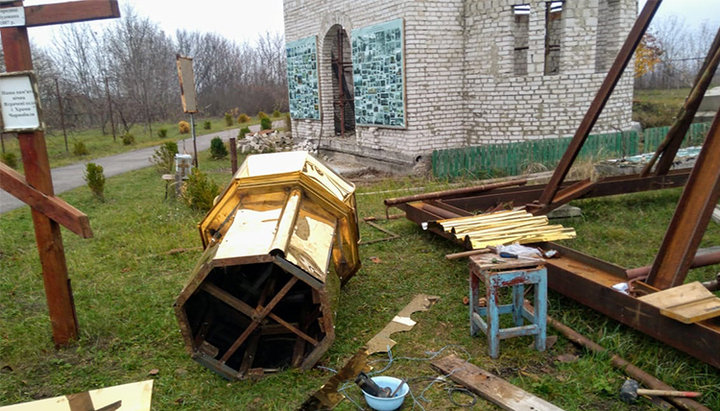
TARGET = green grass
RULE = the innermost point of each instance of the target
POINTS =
(100, 145)
(124, 287)
(658, 108)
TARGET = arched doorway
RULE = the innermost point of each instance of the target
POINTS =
(338, 45)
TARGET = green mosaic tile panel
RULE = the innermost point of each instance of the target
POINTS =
(379, 75)
(302, 72)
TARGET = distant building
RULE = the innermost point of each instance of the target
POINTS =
(394, 80)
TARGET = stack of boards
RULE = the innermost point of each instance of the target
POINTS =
(505, 227)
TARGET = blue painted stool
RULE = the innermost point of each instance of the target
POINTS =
(516, 278)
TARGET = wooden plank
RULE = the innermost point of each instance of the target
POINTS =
(70, 12)
(53, 207)
(688, 303)
(490, 386)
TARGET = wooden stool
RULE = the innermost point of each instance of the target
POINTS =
(516, 278)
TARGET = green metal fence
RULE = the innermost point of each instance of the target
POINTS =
(517, 158)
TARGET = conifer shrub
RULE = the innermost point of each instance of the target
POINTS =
(243, 118)
(265, 124)
(162, 133)
(95, 180)
(276, 113)
(261, 115)
(218, 151)
(288, 122)
(128, 139)
(79, 149)
(164, 157)
(184, 127)
(9, 159)
(228, 119)
(207, 125)
(200, 191)
(243, 132)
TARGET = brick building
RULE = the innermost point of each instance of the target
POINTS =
(393, 80)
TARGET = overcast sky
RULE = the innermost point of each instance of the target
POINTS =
(245, 20)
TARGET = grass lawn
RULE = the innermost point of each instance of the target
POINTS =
(99, 145)
(125, 285)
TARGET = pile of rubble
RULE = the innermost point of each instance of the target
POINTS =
(270, 141)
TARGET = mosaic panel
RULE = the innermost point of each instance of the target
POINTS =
(378, 74)
(302, 75)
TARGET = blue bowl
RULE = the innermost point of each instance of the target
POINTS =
(387, 404)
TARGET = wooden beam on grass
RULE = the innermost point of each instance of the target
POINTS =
(53, 207)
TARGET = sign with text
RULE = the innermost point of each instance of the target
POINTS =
(187, 84)
(19, 102)
(12, 16)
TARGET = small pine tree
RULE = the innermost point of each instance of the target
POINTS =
(79, 149)
(266, 124)
(128, 139)
(164, 157)
(228, 119)
(200, 191)
(95, 180)
(218, 151)
(276, 113)
(243, 118)
(261, 115)
(184, 127)
(243, 132)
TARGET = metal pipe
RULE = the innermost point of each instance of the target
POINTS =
(700, 260)
(389, 202)
(622, 364)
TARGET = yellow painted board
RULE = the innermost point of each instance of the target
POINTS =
(135, 396)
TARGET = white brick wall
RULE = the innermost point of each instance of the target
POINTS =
(460, 84)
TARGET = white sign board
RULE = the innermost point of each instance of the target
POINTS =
(19, 103)
(12, 16)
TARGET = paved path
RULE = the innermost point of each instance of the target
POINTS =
(71, 176)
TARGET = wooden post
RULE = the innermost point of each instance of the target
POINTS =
(16, 48)
(62, 113)
(233, 155)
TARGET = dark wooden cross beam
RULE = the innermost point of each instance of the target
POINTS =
(37, 188)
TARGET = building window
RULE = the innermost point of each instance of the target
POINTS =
(553, 35)
(607, 42)
(521, 17)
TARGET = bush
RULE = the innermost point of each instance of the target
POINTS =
(10, 159)
(128, 139)
(288, 122)
(200, 191)
(79, 149)
(207, 125)
(218, 151)
(261, 115)
(228, 119)
(164, 157)
(243, 118)
(276, 113)
(162, 133)
(184, 127)
(95, 180)
(243, 132)
(265, 124)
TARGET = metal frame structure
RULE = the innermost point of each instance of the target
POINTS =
(589, 280)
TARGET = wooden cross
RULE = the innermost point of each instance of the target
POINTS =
(36, 189)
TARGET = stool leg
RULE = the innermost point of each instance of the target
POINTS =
(474, 286)
(493, 320)
(518, 292)
(540, 306)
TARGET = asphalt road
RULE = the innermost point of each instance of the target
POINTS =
(71, 176)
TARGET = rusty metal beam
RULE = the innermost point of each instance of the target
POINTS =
(605, 187)
(692, 215)
(587, 280)
(601, 98)
(669, 147)
(457, 192)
